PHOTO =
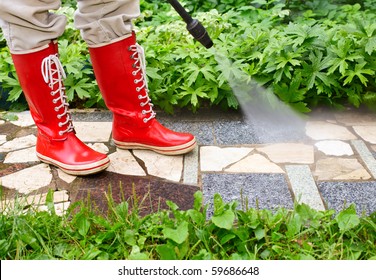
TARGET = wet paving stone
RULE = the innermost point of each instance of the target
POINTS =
(263, 191)
(150, 193)
(339, 195)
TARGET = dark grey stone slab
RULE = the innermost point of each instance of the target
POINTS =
(263, 191)
(248, 131)
(339, 195)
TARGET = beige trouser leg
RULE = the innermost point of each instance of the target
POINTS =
(104, 21)
(31, 24)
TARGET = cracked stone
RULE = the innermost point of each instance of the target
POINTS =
(123, 162)
(167, 167)
(340, 169)
(29, 179)
(25, 155)
(18, 143)
(289, 153)
(216, 159)
(255, 164)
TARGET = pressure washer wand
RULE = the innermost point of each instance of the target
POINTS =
(194, 27)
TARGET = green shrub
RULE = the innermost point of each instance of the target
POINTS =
(308, 53)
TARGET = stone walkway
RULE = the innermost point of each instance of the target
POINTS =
(326, 161)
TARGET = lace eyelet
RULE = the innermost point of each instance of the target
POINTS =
(142, 104)
(61, 133)
(138, 89)
(134, 65)
(145, 120)
(140, 96)
(143, 112)
(56, 109)
(60, 124)
(134, 73)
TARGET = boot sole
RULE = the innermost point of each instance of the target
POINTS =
(172, 150)
(86, 169)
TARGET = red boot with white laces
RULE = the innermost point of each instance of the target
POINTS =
(120, 72)
(40, 74)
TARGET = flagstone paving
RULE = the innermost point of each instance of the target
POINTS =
(327, 160)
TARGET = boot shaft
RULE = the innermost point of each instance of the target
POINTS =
(120, 72)
(41, 75)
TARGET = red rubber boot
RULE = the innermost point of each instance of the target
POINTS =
(40, 74)
(120, 72)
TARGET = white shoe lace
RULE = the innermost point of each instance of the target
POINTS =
(140, 66)
(52, 76)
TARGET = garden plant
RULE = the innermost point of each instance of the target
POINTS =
(308, 53)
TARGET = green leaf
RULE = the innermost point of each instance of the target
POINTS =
(178, 235)
(166, 252)
(347, 219)
(224, 220)
(83, 224)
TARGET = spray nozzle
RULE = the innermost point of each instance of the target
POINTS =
(194, 27)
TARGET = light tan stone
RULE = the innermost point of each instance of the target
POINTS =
(214, 158)
(123, 162)
(25, 155)
(18, 143)
(99, 147)
(167, 167)
(340, 169)
(334, 148)
(93, 131)
(289, 153)
(24, 119)
(319, 130)
(3, 139)
(373, 148)
(368, 133)
(254, 164)
(356, 118)
(66, 177)
(29, 179)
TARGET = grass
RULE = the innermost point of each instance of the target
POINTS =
(122, 233)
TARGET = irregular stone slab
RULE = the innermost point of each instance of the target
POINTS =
(339, 195)
(60, 208)
(334, 148)
(368, 133)
(263, 191)
(25, 155)
(289, 153)
(24, 119)
(18, 143)
(304, 186)
(93, 131)
(3, 139)
(33, 200)
(255, 164)
(66, 177)
(190, 173)
(356, 118)
(123, 162)
(320, 130)
(2, 122)
(366, 156)
(29, 179)
(167, 167)
(214, 158)
(99, 147)
(340, 169)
